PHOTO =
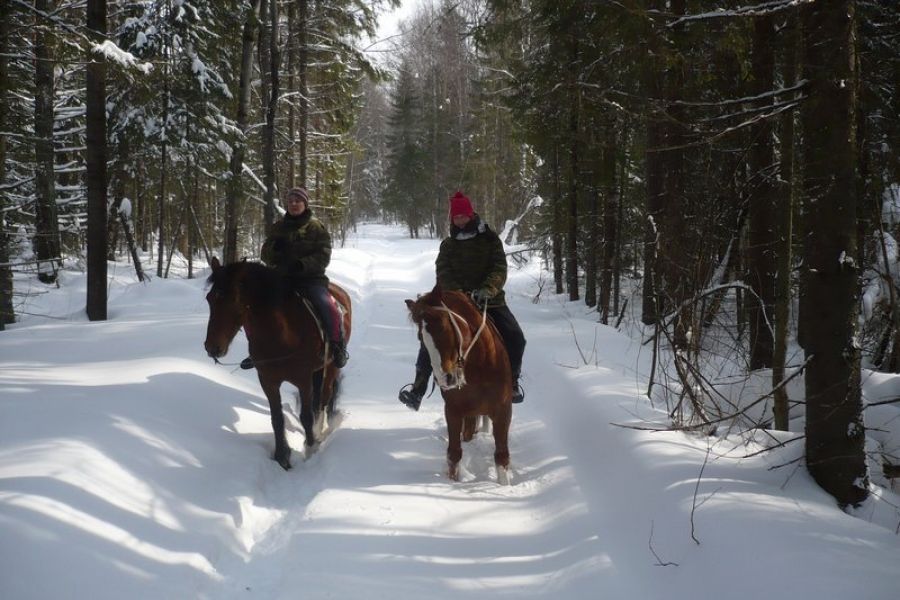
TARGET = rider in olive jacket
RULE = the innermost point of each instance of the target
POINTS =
(299, 247)
(472, 260)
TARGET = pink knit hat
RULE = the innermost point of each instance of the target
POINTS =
(460, 205)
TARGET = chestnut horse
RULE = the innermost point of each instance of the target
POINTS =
(285, 343)
(470, 365)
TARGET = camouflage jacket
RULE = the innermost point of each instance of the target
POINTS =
(300, 248)
(473, 258)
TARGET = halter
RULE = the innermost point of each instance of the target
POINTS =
(316, 319)
(462, 355)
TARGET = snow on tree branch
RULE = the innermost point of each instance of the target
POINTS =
(758, 10)
(124, 58)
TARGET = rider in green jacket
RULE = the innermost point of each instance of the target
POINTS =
(299, 247)
(472, 260)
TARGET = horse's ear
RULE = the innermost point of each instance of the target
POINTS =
(409, 303)
(215, 264)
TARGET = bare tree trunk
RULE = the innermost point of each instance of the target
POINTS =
(274, 64)
(572, 216)
(96, 166)
(190, 229)
(761, 255)
(7, 314)
(610, 209)
(593, 248)
(784, 221)
(235, 181)
(161, 207)
(46, 243)
(835, 432)
(620, 216)
(199, 231)
(677, 267)
(119, 180)
(132, 248)
(653, 174)
(291, 88)
(556, 234)
(302, 68)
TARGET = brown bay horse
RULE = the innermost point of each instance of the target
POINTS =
(471, 366)
(285, 343)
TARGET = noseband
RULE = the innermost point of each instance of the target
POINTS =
(462, 355)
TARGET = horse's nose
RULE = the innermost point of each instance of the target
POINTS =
(212, 350)
(450, 380)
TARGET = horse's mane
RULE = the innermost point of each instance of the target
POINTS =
(260, 285)
(458, 302)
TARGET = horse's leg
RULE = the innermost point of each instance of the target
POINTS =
(501, 421)
(306, 412)
(470, 425)
(282, 453)
(329, 390)
(454, 448)
(318, 406)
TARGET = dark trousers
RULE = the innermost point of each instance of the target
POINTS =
(325, 306)
(509, 330)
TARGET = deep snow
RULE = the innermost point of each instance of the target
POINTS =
(132, 466)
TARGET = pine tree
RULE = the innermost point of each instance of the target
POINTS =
(405, 195)
(835, 433)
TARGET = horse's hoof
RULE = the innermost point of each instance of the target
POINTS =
(503, 477)
(453, 472)
(310, 450)
(283, 459)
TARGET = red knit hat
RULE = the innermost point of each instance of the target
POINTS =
(460, 205)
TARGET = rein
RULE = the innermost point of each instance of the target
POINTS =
(462, 355)
(263, 361)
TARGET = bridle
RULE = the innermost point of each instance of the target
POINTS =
(462, 354)
(245, 309)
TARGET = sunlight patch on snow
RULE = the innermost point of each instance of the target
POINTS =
(105, 479)
(104, 374)
(168, 455)
(86, 522)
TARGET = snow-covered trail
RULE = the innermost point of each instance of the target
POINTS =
(373, 509)
(131, 466)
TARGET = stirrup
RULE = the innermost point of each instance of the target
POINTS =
(518, 394)
(247, 364)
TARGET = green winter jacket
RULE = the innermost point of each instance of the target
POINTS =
(299, 248)
(473, 258)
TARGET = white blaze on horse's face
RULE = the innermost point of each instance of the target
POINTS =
(455, 378)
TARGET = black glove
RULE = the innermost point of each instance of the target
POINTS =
(279, 245)
(481, 296)
(295, 270)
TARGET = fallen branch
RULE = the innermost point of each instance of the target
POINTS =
(659, 562)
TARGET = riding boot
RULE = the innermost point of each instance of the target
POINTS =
(339, 354)
(412, 397)
(247, 363)
(518, 394)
